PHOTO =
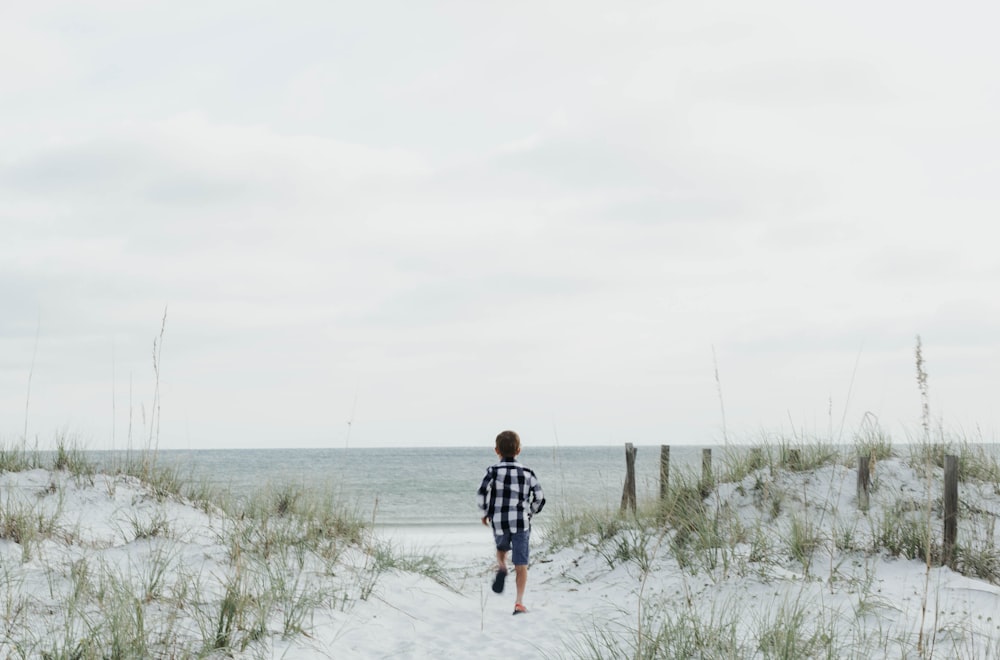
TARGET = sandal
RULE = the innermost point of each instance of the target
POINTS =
(520, 609)
(498, 582)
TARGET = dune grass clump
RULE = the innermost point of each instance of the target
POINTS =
(975, 462)
(27, 523)
(566, 529)
(703, 535)
(282, 554)
(872, 442)
(670, 634)
(165, 481)
(979, 556)
(739, 462)
(311, 521)
(70, 457)
(790, 509)
(18, 459)
(798, 629)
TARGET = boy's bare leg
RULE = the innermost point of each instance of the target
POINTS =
(502, 560)
(521, 578)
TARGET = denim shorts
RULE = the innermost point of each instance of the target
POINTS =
(519, 542)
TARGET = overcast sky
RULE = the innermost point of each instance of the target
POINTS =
(402, 223)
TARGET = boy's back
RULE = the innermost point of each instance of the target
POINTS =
(510, 494)
(508, 497)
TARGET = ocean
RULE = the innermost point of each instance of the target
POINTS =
(430, 486)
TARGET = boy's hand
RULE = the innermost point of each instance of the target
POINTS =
(484, 521)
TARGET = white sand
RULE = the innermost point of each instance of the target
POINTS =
(870, 604)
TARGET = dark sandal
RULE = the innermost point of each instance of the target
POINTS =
(498, 582)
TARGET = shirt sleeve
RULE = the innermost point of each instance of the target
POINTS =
(537, 496)
(483, 494)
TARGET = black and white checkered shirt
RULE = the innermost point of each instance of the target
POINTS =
(509, 495)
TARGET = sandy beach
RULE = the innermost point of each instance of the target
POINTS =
(276, 276)
(88, 561)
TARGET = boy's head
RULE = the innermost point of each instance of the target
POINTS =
(508, 444)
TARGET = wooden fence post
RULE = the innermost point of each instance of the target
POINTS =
(628, 492)
(664, 470)
(707, 479)
(950, 508)
(864, 481)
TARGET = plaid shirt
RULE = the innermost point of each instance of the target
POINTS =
(509, 495)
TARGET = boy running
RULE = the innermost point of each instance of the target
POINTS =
(508, 497)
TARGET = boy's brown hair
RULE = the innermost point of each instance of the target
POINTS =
(508, 444)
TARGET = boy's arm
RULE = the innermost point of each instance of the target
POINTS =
(537, 496)
(483, 495)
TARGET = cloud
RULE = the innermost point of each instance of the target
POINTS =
(479, 297)
(655, 207)
(794, 83)
(31, 59)
(185, 158)
(465, 213)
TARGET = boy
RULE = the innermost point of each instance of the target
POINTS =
(508, 497)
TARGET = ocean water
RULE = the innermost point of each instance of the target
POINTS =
(431, 486)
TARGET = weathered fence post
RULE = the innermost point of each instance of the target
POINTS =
(664, 470)
(628, 492)
(864, 481)
(707, 480)
(950, 508)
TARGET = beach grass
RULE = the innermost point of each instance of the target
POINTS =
(791, 507)
(130, 589)
(185, 570)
